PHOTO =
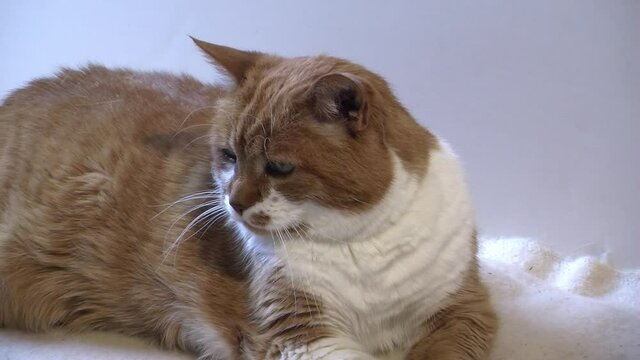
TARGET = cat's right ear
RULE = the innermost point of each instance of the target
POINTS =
(341, 97)
(231, 61)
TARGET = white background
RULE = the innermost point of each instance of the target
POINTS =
(541, 99)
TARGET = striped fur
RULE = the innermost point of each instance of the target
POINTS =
(110, 220)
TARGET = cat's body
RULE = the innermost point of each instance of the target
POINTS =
(356, 235)
(82, 244)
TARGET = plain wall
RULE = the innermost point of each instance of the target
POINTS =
(541, 99)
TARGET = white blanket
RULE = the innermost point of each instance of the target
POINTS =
(549, 307)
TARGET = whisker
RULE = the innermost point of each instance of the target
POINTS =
(181, 238)
(215, 209)
(193, 112)
(194, 140)
(187, 128)
(213, 191)
(190, 210)
(198, 197)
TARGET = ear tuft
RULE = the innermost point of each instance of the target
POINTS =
(340, 97)
(231, 61)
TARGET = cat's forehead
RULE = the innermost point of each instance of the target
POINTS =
(282, 84)
(272, 103)
(254, 135)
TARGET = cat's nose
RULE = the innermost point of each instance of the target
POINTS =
(238, 207)
(243, 195)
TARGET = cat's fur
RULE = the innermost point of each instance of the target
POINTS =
(365, 250)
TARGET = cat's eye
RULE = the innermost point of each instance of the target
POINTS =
(276, 168)
(229, 155)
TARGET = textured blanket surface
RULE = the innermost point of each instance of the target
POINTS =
(550, 307)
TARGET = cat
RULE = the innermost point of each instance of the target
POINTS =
(300, 213)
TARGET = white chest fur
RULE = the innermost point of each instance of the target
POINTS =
(381, 285)
(403, 259)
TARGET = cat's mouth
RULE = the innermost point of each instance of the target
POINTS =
(262, 224)
(254, 225)
(264, 230)
(258, 230)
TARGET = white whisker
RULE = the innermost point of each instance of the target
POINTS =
(181, 238)
(194, 140)
(191, 113)
(198, 197)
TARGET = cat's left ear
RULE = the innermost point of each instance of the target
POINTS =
(341, 97)
(231, 61)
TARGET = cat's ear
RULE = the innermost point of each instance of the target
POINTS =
(340, 97)
(232, 61)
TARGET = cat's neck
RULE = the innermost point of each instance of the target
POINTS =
(427, 199)
(416, 210)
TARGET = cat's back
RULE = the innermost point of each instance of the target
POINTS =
(99, 121)
(95, 101)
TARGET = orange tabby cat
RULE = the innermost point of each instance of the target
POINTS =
(301, 214)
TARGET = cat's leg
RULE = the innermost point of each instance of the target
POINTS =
(292, 324)
(301, 332)
(462, 331)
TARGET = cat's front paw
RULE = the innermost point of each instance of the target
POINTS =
(325, 349)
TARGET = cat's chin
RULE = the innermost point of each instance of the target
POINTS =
(251, 230)
(259, 231)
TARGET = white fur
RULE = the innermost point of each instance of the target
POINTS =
(381, 273)
(327, 349)
(283, 213)
(212, 345)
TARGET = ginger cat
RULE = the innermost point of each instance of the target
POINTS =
(300, 214)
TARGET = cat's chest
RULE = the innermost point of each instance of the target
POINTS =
(381, 294)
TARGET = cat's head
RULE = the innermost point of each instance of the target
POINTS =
(303, 145)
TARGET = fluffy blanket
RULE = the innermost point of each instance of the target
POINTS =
(550, 307)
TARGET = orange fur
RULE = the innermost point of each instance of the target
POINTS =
(96, 169)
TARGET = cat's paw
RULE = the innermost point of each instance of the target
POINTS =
(325, 349)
